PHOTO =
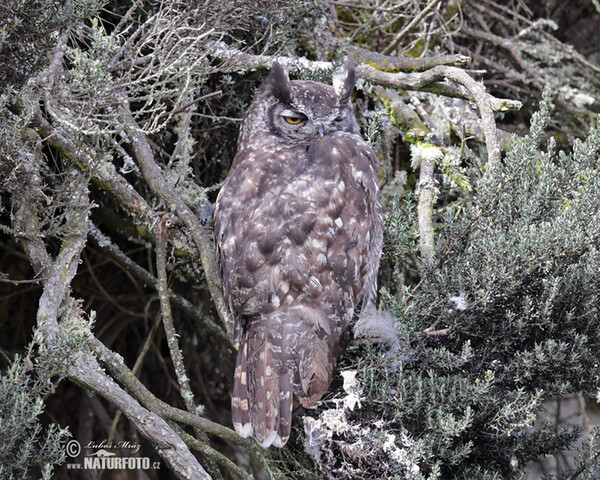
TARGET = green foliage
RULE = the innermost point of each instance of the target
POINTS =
(506, 319)
(29, 31)
(373, 126)
(588, 466)
(399, 220)
(25, 446)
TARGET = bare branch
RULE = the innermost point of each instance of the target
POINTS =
(115, 365)
(432, 79)
(427, 191)
(83, 366)
(156, 181)
(114, 252)
(211, 453)
(185, 388)
(415, 81)
(57, 273)
(169, 445)
(410, 64)
(165, 306)
(398, 38)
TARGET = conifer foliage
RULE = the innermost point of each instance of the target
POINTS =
(507, 318)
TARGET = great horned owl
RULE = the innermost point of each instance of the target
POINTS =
(298, 233)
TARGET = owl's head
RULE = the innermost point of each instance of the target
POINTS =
(301, 110)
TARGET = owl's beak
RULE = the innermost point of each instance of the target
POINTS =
(320, 130)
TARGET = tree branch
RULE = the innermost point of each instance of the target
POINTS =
(210, 452)
(116, 366)
(185, 388)
(86, 371)
(58, 273)
(415, 81)
(158, 184)
(114, 252)
(167, 319)
(409, 64)
(429, 79)
(82, 366)
(427, 191)
(103, 172)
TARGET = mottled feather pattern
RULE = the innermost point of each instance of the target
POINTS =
(298, 232)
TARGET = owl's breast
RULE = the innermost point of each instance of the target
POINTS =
(293, 225)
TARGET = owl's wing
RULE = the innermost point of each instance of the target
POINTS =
(234, 326)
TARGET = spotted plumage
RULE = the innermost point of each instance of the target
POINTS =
(298, 233)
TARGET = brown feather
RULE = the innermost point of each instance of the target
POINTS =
(240, 411)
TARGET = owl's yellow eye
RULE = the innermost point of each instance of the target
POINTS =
(294, 120)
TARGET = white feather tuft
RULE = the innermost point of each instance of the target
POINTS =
(378, 324)
(460, 302)
(243, 431)
(278, 442)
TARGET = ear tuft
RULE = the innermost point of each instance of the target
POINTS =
(279, 83)
(343, 81)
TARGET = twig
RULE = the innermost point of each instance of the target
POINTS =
(167, 319)
(210, 452)
(5, 279)
(107, 295)
(581, 469)
(185, 388)
(157, 183)
(114, 252)
(409, 27)
(508, 45)
(436, 333)
(217, 93)
(378, 8)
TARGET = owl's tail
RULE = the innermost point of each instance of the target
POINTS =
(240, 411)
(285, 359)
(262, 399)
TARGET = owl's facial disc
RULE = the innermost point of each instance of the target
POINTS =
(312, 110)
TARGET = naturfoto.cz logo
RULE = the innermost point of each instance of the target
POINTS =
(102, 459)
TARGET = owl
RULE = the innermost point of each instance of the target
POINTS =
(298, 234)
